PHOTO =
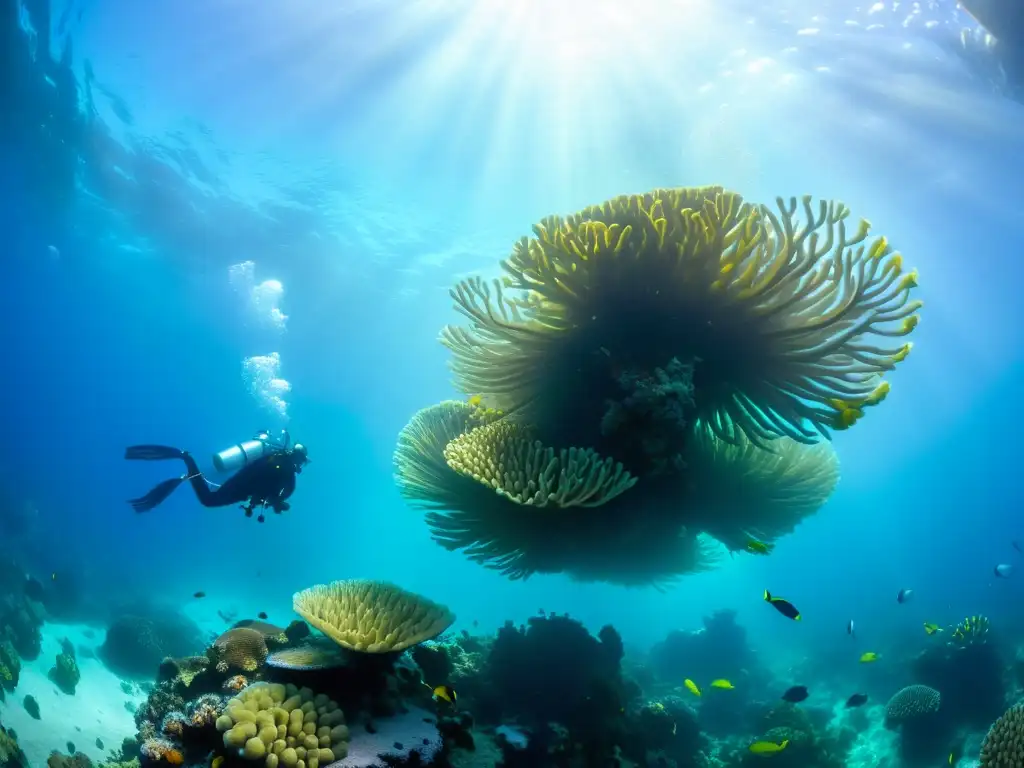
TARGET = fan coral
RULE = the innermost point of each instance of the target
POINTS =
(320, 653)
(739, 491)
(1003, 746)
(687, 342)
(241, 648)
(910, 703)
(285, 726)
(371, 616)
(772, 313)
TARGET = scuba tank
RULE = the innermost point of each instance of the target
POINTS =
(237, 456)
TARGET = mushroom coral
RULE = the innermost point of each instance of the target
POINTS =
(651, 374)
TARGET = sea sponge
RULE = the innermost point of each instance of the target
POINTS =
(771, 312)
(911, 703)
(284, 726)
(240, 648)
(1003, 746)
(504, 458)
(738, 490)
(371, 616)
(184, 669)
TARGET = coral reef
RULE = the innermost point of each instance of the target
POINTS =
(915, 711)
(371, 616)
(64, 673)
(284, 725)
(650, 378)
(1003, 746)
(11, 755)
(240, 649)
(10, 667)
(968, 670)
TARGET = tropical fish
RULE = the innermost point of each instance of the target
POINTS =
(931, 628)
(867, 658)
(858, 699)
(53, 576)
(849, 628)
(767, 747)
(1003, 571)
(691, 687)
(784, 607)
(262, 615)
(903, 595)
(796, 694)
(445, 693)
(757, 547)
(199, 594)
(723, 684)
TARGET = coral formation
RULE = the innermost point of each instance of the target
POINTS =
(371, 616)
(10, 667)
(668, 360)
(1003, 746)
(31, 706)
(11, 755)
(914, 711)
(284, 725)
(64, 673)
(241, 648)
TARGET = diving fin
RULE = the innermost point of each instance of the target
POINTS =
(157, 495)
(152, 453)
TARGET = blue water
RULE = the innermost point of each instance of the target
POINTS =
(367, 158)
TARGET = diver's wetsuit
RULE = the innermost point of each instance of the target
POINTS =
(266, 482)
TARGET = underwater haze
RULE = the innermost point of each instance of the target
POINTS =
(221, 217)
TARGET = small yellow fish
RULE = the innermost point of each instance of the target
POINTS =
(691, 687)
(767, 747)
(756, 547)
(445, 693)
(868, 657)
(723, 684)
(931, 629)
(475, 400)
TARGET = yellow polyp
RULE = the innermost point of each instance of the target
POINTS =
(910, 323)
(850, 416)
(879, 247)
(623, 237)
(909, 280)
(879, 394)
(717, 286)
(895, 264)
(728, 267)
(576, 250)
(900, 356)
(659, 227)
(839, 405)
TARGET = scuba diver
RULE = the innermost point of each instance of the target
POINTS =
(265, 476)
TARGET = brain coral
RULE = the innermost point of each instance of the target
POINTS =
(284, 726)
(911, 703)
(240, 648)
(1003, 746)
(371, 616)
